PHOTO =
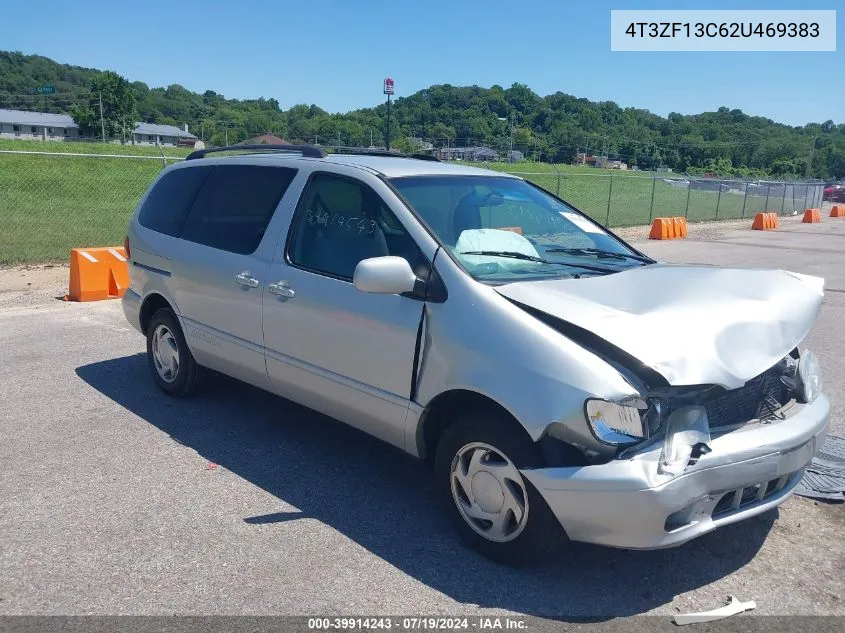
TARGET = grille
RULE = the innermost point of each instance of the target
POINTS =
(742, 498)
(760, 397)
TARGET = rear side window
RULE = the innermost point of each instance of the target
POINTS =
(234, 206)
(168, 203)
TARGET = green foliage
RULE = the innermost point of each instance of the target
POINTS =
(113, 97)
(552, 128)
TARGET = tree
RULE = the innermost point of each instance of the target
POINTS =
(118, 107)
(557, 125)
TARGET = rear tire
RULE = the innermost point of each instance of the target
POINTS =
(171, 362)
(494, 509)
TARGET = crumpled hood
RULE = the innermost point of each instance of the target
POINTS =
(691, 324)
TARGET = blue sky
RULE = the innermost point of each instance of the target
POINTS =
(336, 54)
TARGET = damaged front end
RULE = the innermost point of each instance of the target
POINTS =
(686, 418)
(688, 459)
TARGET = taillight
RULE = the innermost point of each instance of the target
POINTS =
(126, 246)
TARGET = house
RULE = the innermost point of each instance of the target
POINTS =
(476, 154)
(582, 158)
(514, 156)
(265, 139)
(420, 145)
(40, 126)
(602, 162)
(159, 134)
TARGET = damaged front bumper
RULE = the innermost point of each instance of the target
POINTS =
(628, 503)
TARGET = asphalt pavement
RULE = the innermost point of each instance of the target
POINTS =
(117, 500)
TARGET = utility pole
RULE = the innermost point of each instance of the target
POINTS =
(511, 133)
(226, 127)
(810, 159)
(103, 125)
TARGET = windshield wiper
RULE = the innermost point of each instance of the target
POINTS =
(600, 253)
(511, 254)
(532, 258)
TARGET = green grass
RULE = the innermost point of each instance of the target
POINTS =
(624, 198)
(50, 204)
(91, 148)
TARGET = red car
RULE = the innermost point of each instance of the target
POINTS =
(834, 193)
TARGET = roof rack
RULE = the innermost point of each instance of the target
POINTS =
(311, 151)
(382, 152)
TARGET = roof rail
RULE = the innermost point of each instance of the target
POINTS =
(382, 152)
(311, 151)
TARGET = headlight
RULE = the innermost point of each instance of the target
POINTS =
(686, 429)
(617, 424)
(810, 376)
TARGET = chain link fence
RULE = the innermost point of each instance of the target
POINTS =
(51, 202)
(631, 199)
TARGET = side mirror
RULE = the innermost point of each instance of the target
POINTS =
(386, 275)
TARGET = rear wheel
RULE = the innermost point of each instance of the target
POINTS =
(493, 507)
(171, 362)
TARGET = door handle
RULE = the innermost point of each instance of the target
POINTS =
(281, 290)
(246, 280)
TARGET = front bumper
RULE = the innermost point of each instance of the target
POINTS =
(627, 503)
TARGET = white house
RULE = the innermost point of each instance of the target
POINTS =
(158, 134)
(39, 126)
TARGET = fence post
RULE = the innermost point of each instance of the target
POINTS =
(745, 199)
(651, 208)
(609, 194)
(783, 200)
(768, 189)
(689, 190)
(718, 200)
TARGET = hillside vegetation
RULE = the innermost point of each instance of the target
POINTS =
(728, 141)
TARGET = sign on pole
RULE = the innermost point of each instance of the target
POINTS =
(46, 89)
(388, 86)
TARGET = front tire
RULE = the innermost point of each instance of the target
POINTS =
(171, 362)
(494, 509)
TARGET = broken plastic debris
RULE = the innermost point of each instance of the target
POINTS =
(733, 607)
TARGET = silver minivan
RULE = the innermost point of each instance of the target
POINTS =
(561, 384)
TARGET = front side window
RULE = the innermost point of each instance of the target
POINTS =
(339, 222)
(503, 229)
(234, 206)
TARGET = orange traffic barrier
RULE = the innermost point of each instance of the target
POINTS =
(838, 211)
(811, 215)
(668, 228)
(97, 273)
(765, 221)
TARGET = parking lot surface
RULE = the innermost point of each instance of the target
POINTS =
(117, 500)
